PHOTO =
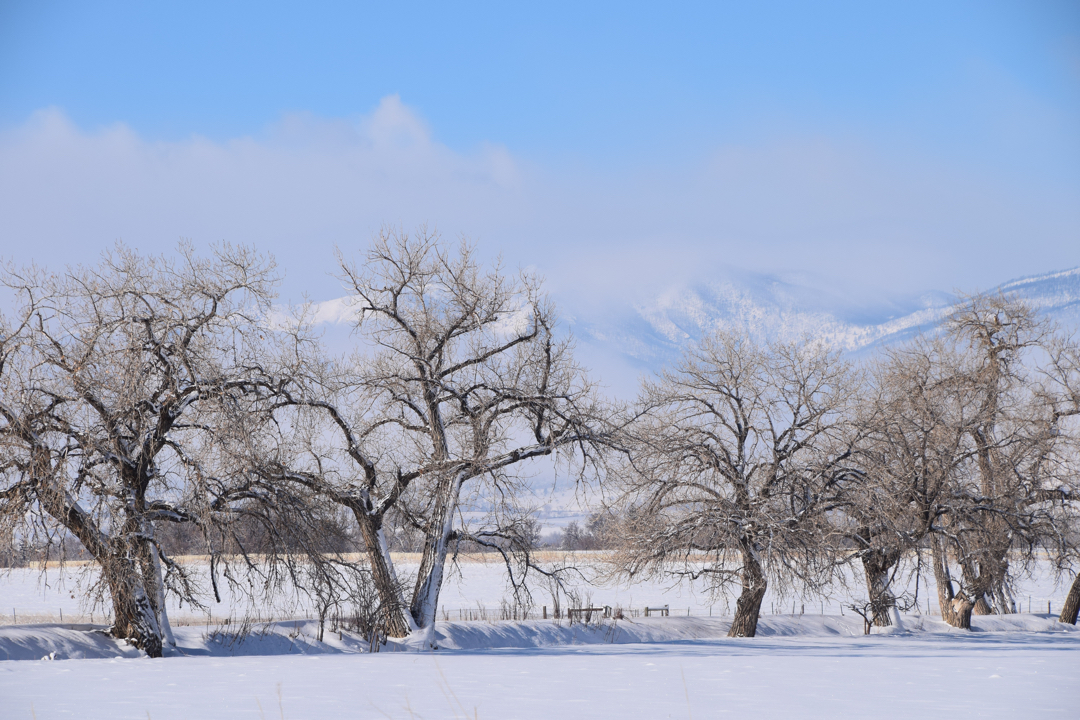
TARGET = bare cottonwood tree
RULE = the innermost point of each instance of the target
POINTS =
(913, 422)
(459, 380)
(125, 395)
(1018, 495)
(738, 455)
(996, 332)
(1058, 392)
(963, 452)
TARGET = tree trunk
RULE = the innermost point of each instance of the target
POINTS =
(396, 619)
(154, 585)
(986, 582)
(962, 606)
(974, 580)
(878, 565)
(134, 618)
(429, 577)
(1072, 603)
(1004, 603)
(941, 578)
(748, 606)
(955, 608)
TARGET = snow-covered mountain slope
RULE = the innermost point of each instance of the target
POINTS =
(651, 333)
(620, 344)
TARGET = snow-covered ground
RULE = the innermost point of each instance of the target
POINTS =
(810, 666)
(815, 663)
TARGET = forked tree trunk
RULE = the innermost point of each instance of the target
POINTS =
(395, 617)
(878, 565)
(1072, 603)
(960, 611)
(748, 606)
(988, 585)
(955, 608)
(429, 577)
(974, 580)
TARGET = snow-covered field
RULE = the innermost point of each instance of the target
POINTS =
(28, 595)
(811, 664)
(1018, 667)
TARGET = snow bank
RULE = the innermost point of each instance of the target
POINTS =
(545, 633)
(62, 642)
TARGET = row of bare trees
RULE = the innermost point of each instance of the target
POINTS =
(753, 464)
(148, 398)
(147, 401)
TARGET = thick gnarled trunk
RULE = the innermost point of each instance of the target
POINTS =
(955, 607)
(1072, 603)
(134, 615)
(748, 606)
(974, 581)
(878, 565)
(395, 618)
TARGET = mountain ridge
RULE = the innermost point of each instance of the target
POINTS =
(768, 308)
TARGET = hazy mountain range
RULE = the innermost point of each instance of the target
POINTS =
(651, 334)
(622, 341)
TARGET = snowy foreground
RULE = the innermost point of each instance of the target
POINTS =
(1021, 666)
(814, 663)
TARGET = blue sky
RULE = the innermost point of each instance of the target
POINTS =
(880, 147)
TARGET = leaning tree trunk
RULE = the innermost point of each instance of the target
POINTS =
(134, 618)
(955, 608)
(748, 606)
(1072, 603)
(878, 565)
(395, 617)
(429, 577)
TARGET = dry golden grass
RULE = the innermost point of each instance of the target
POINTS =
(543, 556)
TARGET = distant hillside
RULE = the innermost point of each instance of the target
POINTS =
(652, 333)
(633, 339)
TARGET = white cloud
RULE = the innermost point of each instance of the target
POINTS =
(852, 215)
(302, 187)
